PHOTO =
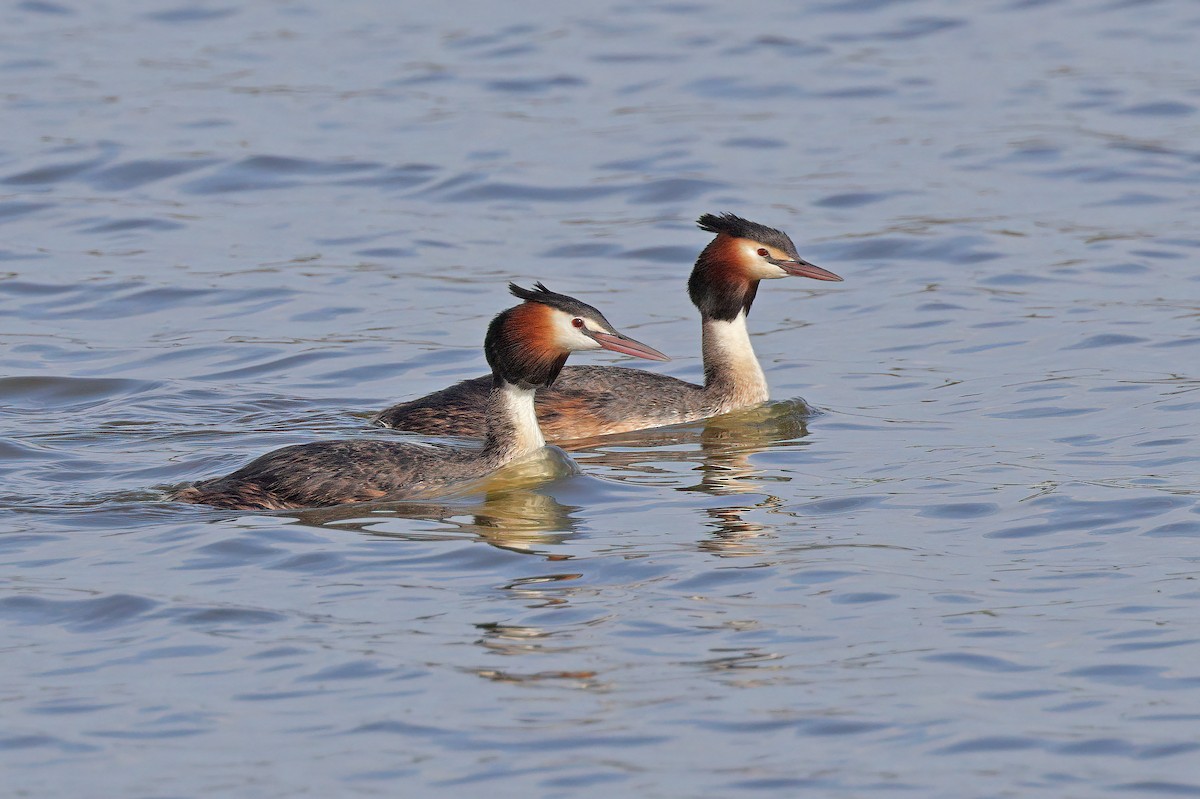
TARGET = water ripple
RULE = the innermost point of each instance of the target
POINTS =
(76, 615)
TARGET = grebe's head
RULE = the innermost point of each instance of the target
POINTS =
(528, 345)
(726, 276)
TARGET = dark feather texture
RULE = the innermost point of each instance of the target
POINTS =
(540, 294)
(515, 361)
(739, 228)
(717, 286)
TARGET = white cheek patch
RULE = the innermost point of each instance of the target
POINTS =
(570, 338)
(757, 267)
(591, 343)
(766, 271)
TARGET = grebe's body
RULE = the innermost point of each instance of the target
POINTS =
(526, 347)
(589, 401)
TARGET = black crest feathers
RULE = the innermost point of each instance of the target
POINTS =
(540, 294)
(535, 294)
(740, 228)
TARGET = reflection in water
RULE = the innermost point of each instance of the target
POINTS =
(725, 445)
(538, 592)
(733, 660)
(516, 519)
(504, 510)
(541, 590)
(586, 679)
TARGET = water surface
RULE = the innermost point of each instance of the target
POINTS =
(959, 549)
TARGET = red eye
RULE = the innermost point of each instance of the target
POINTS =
(763, 252)
(577, 322)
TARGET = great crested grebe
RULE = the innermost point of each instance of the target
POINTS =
(526, 346)
(589, 401)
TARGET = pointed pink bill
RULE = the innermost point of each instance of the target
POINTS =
(627, 346)
(799, 268)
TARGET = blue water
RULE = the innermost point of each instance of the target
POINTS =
(963, 566)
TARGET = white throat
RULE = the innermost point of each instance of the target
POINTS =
(730, 365)
(517, 406)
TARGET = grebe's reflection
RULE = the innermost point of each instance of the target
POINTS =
(721, 449)
(518, 640)
(507, 510)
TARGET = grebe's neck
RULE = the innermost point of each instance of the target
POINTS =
(512, 425)
(731, 370)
